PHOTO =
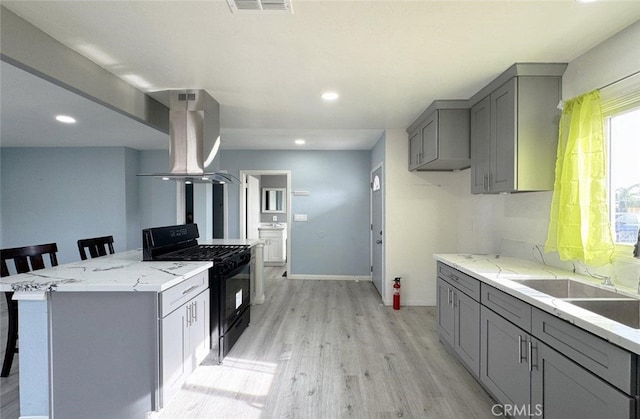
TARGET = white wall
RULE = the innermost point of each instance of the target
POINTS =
(421, 218)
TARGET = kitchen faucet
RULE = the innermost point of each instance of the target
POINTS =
(606, 280)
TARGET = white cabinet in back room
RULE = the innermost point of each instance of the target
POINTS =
(275, 244)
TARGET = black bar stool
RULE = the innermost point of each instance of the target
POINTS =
(98, 246)
(25, 259)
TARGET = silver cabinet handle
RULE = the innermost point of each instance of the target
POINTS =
(449, 296)
(531, 356)
(520, 349)
(195, 311)
(455, 298)
(188, 290)
(188, 315)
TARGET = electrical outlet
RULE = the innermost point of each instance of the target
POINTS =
(275, 218)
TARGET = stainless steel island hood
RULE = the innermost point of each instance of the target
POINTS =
(194, 138)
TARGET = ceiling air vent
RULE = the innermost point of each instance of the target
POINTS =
(263, 6)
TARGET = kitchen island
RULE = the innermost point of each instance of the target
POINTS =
(110, 337)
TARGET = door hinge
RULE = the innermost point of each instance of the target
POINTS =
(371, 227)
(371, 268)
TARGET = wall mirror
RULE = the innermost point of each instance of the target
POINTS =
(274, 200)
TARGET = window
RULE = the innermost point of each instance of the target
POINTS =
(623, 131)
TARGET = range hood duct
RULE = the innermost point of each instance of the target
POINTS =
(194, 138)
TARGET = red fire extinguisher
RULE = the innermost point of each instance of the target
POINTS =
(396, 293)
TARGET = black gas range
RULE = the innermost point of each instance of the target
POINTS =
(229, 278)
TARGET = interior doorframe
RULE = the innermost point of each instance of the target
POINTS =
(383, 285)
(242, 206)
(181, 207)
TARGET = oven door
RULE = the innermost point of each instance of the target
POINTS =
(236, 293)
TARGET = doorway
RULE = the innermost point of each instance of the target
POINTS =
(206, 205)
(251, 212)
(377, 227)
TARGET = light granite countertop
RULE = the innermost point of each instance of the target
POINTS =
(123, 271)
(499, 272)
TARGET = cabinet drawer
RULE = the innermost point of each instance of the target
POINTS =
(271, 234)
(463, 282)
(610, 362)
(179, 294)
(516, 311)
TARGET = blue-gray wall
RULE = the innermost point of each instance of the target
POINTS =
(157, 198)
(64, 194)
(335, 239)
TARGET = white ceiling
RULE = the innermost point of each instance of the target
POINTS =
(388, 59)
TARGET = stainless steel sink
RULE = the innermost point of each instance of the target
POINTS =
(567, 288)
(621, 310)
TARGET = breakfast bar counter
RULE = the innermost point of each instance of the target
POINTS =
(113, 336)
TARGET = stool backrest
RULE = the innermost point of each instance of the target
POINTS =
(98, 246)
(28, 258)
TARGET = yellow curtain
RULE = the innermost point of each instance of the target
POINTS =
(579, 226)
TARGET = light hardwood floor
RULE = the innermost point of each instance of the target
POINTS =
(326, 349)
(329, 349)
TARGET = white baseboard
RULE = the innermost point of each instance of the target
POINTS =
(412, 303)
(331, 277)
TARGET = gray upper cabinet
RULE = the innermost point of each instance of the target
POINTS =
(514, 130)
(439, 138)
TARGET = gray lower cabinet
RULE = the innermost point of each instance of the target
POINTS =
(533, 363)
(185, 343)
(184, 333)
(562, 389)
(467, 333)
(530, 378)
(458, 324)
(504, 362)
(446, 313)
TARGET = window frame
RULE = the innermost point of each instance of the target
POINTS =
(623, 251)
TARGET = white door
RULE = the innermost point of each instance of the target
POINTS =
(377, 245)
(253, 207)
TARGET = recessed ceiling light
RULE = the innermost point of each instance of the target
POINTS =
(330, 96)
(65, 119)
(165, 178)
(300, 141)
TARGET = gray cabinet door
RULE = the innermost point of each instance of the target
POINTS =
(199, 333)
(415, 149)
(504, 368)
(480, 145)
(467, 331)
(503, 142)
(175, 353)
(446, 313)
(430, 139)
(561, 389)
